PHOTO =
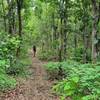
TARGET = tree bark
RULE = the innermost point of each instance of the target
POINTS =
(19, 2)
(94, 30)
(19, 7)
(85, 40)
(4, 16)
(9, 16)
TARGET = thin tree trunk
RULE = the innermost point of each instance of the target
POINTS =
(85, 45)
(75, 43)
(94, 30)
(9, 16)
(13, 18)
(4, 16)
(19, 17)
(19, 4)
(65, 36)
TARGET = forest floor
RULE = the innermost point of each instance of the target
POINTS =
(34, 87)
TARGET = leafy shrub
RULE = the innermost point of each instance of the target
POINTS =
(19, 68)
(8, 45)
(78, 56)
(67, 87)
(43, 56)
(15, 69)
(53, 68)
(6, 82)
(47, 55)
(82, 81)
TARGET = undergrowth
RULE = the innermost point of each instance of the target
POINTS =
(10, 65)
(6, 82)
(47, 55)
(81, 81)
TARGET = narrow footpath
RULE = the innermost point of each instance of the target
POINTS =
(35, 87)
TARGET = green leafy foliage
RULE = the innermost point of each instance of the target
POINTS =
(6, 82)
(47, 55)
(54, 67)
(67, 87)
(7, 59)
(82, 80)
(8, 46)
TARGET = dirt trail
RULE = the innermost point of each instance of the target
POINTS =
(35, 87)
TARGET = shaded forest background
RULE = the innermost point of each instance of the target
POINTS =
(63, 31)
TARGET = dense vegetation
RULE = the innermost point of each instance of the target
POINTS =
(12, 50)
(79, 81)
(66, 32)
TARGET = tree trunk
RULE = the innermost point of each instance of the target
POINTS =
(19, 4)
(4, 16)
(94, 30)
(9, 16)
(85, 45)
(65, 35)
(19, 16)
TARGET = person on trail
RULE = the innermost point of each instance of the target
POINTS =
(34, 50)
